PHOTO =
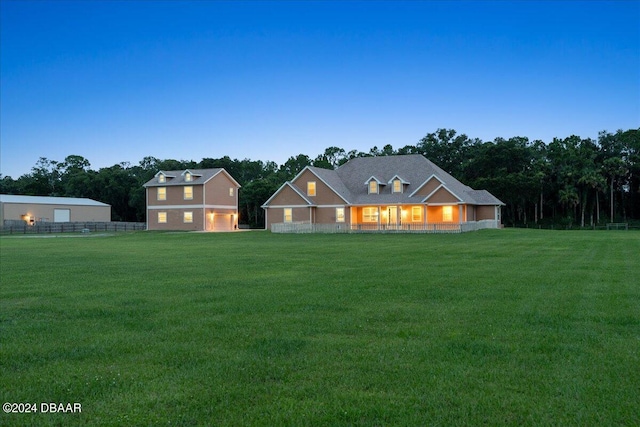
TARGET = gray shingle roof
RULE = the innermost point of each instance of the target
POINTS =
(177, 177)
(350, 180)
(413, 169)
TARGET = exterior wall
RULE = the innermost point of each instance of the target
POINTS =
(435, 214)
(217, 191)
(485, 212)
(428, 188)
(44, 213)
(175, 220)
(287, 197)
(328, 215)
(471, 213)
(442, 196)
(175, 196)
(276, 215)
(324, 194)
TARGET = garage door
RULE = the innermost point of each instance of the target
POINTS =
(222, 222)
(61, 215)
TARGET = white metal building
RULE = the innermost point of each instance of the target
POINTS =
(34, 209)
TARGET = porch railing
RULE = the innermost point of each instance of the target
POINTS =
(434, 227)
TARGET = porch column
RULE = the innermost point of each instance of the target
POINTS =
(379, 217)
(460, 207)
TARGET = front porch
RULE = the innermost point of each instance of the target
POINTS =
(424, 228)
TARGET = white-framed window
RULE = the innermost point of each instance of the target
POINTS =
(188, 192)
(373, 187)
(162, 217)
(288, 214)
(162, 179)
(397, 186)
(416, 213)
(231, 191)
(187, 217)
(339, 214)
(188, 177)
(447, 213)
(311, 188)
(162, 193)
(370, 214)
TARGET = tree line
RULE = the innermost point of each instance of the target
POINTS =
(570, 181)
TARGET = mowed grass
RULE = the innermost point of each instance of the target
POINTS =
(497, 327)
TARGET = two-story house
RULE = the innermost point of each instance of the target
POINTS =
(192, 199)
(399, 193)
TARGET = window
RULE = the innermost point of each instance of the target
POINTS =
(416, 213)
(288, 215)
(162, 179)
(162, 217)
(162, 193)
(373, 187)
(447, 213)
(187, 217)
(339, 214)
(188, 192)
(231, 191)
(311, 188)
(370, 214)
(397, 186)
(188, 177)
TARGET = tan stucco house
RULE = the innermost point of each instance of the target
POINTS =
(44, 209)
(192, 199)
(386, 193)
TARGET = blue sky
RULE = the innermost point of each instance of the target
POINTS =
(116, 81)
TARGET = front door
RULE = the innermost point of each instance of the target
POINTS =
(392, 215)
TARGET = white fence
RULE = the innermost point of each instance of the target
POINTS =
(431, 228)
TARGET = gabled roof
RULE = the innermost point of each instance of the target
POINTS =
(46, 200)
(373, 178)
(292, 187)
(177, 177)
(414, 170)
(403, 181)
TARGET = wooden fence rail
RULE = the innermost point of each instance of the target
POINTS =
(20, 227)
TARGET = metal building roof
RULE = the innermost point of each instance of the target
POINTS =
(46, 200)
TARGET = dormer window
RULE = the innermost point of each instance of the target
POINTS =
(397, 186)
(162, 179)
(188, 177)
(373, 187)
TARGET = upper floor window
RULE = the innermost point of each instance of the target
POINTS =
(162, 179)
(311, 188)
(397, 186)
(373, 187)
(188, 177)
(188, 192)
(162, 193)
(231, 191)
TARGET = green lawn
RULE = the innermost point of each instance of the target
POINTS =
(497, 327)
